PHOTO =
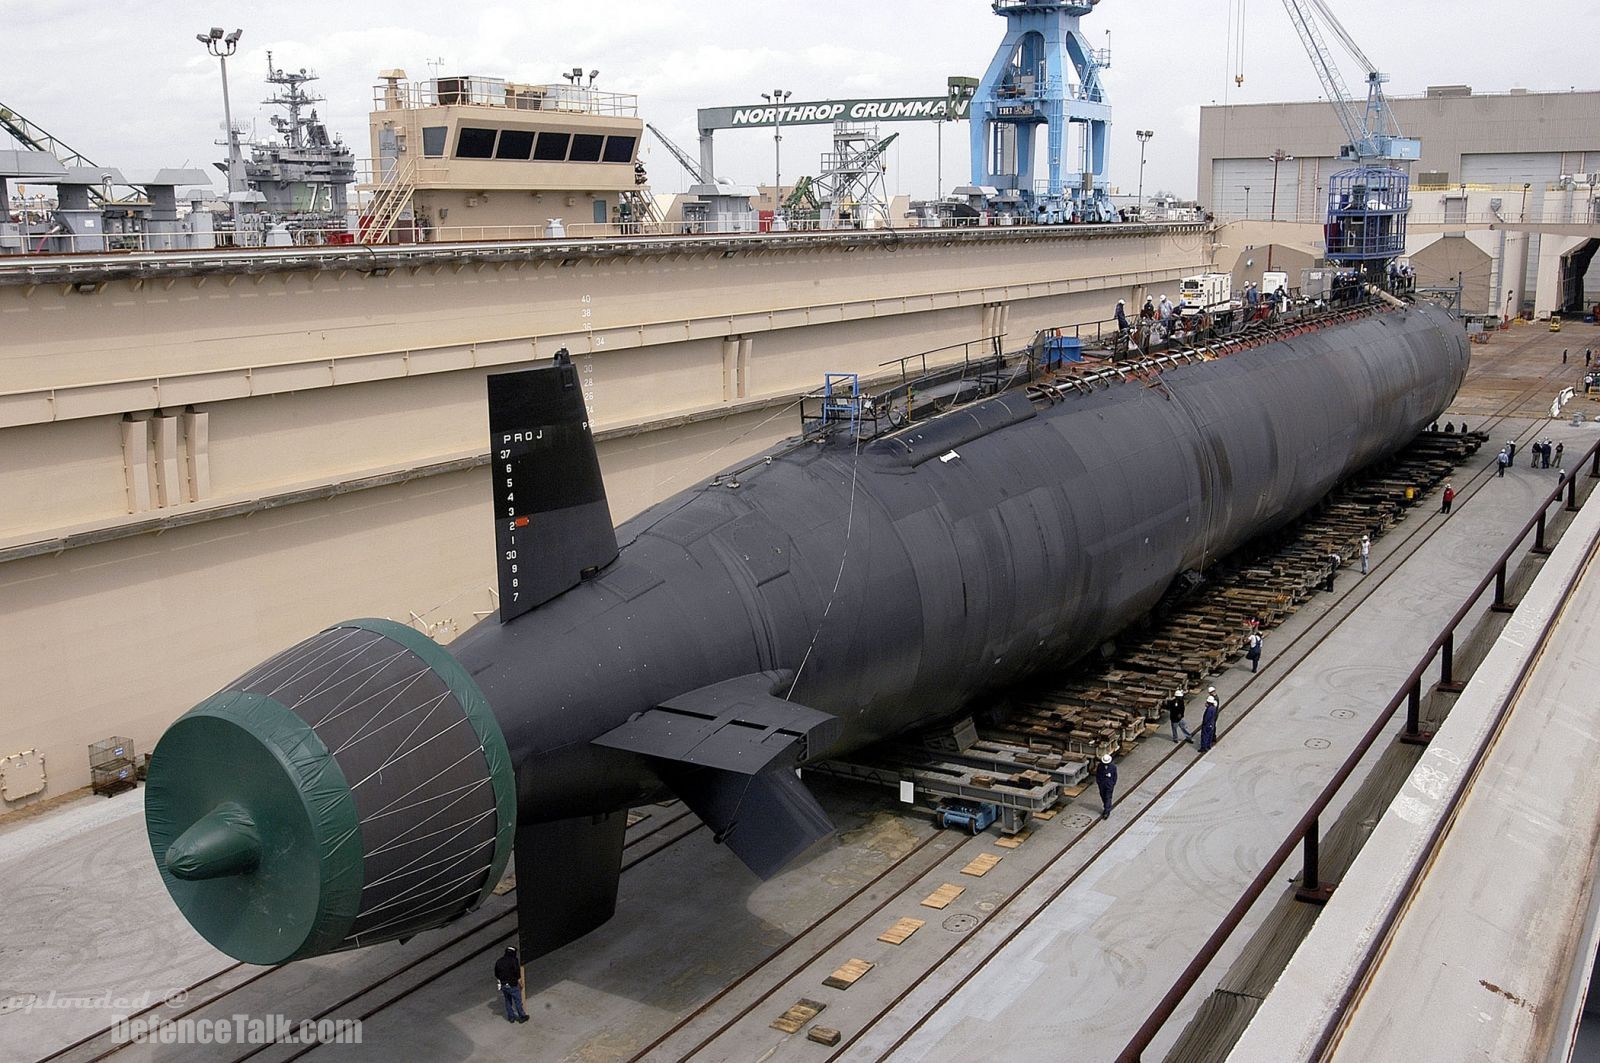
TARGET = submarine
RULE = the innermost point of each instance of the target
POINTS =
(871, 576)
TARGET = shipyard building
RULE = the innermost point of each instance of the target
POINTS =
(1491, 161)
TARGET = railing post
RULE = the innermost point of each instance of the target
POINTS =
(1594, 466)
(1414, 735)
(1447, 666)
(1572, 491)
(1312, 890)
(1500, 604)
(1538, 535)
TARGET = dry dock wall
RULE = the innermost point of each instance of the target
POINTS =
(198, 470)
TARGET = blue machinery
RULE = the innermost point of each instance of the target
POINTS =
(1367, 205)
(1045, 73)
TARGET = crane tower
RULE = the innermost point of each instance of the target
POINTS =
(1045, 73)
(1368, 203)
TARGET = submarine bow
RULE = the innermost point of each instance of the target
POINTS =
(351, 790)
(835, 595)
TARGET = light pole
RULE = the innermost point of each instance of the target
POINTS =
(1247, 201)
(223, 45)
(1144, 136)
(1277, 158)
(777, 97)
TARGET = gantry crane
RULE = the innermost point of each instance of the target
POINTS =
(1367, 204)
(1045, 73)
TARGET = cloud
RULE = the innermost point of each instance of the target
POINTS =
(137, 91)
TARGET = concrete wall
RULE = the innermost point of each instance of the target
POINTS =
(340, 417)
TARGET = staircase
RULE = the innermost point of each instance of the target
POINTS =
(389, 200)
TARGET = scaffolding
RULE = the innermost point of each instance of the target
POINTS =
(850, 186)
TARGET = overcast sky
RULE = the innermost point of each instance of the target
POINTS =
(128, 85)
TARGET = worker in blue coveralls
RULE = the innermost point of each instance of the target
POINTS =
(1105, 777)
(1208, 720)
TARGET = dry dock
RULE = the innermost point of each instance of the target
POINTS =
(1061, 947)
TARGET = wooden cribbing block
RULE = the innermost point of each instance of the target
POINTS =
(1047, 815)
(981, 865)
(797, 1016)
(1016, 839)
(902, 929)
(823, 1035)
(942, 896)
(848, 975)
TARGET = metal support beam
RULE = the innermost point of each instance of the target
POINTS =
(1312, 889)
(1448, 683)
(1539, 546)
(1500, 604)
(1414, 735)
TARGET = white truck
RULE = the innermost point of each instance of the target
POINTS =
(1207, 291)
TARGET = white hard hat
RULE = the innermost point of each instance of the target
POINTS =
(1211, 690)
(1178, 693)
(1105, 758)
(1121, 302)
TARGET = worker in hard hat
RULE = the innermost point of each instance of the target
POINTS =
(1208, 720)
(1105, 777)
(1175, 707)
(1122, 316)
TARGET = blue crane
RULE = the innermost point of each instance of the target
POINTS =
(1368, 203)
(1045, 73)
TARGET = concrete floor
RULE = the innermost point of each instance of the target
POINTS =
(86, 913)
(1491, 944)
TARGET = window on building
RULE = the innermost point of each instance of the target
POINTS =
(586, 147)
(433, 138)
(552, 147)
(619, 149)
(474, 143)
(514, 144)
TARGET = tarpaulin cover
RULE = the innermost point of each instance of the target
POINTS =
(377, 778)
(250, 750)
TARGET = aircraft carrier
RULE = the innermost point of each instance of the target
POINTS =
(232, 426)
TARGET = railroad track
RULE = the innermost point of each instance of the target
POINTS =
(216, 988)
(892, 884)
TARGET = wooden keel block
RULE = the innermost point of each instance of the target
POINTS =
(902, 929)
(797, 1016)
(981, 865)
(823, 1035)
(1016, 839)
(848, 975)
(941, 897)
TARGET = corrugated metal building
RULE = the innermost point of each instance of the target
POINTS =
(1491, 143)
(1471, 137)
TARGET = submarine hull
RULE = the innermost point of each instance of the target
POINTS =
(838, 594)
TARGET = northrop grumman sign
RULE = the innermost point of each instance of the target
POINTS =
(823, 112)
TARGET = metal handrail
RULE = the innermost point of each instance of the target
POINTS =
(43, 245)
(1410, 695)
